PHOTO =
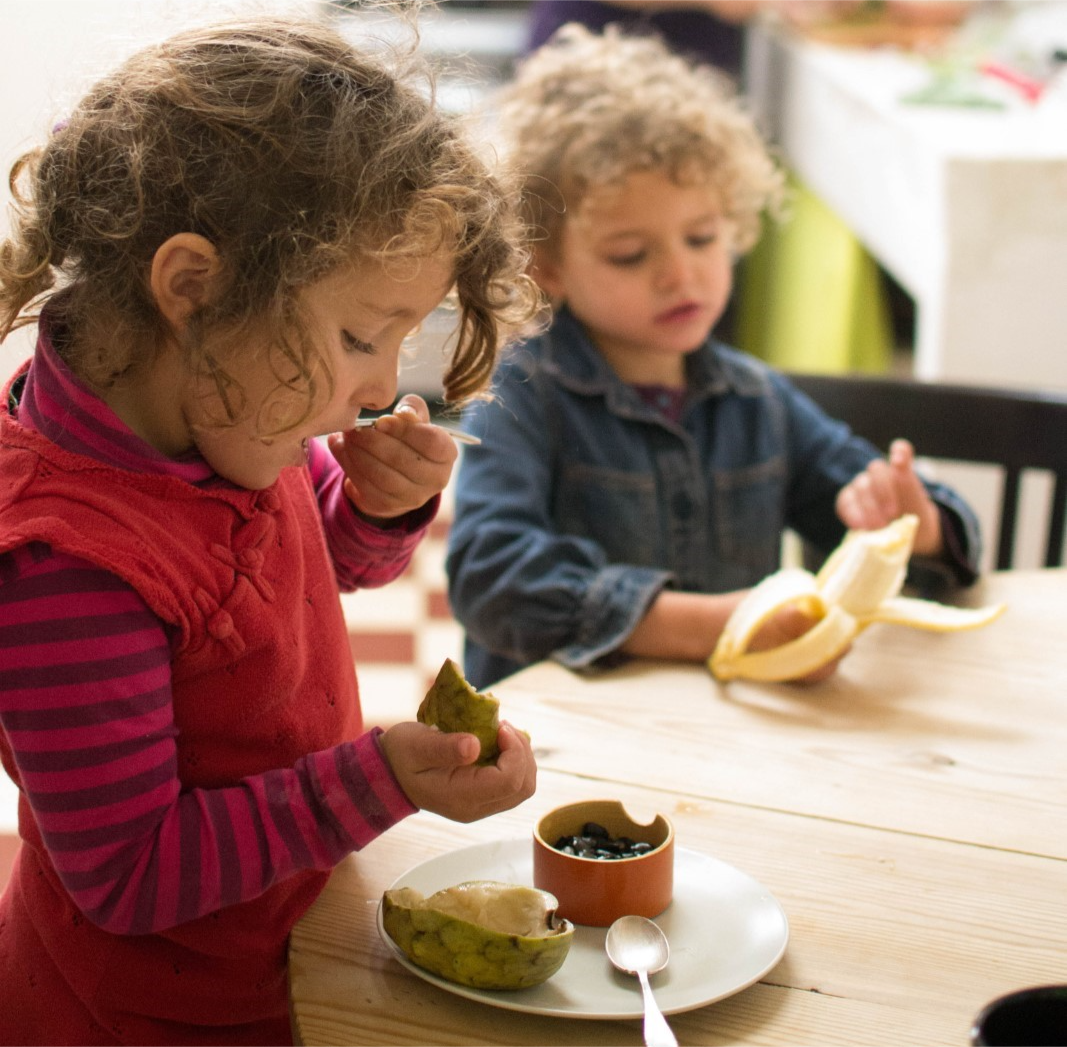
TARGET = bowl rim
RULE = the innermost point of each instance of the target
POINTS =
(660, 824)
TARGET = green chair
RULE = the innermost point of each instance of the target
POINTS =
(810, 298)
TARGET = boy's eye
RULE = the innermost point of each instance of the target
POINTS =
(356, 345)
(624, 260)
(703, 239)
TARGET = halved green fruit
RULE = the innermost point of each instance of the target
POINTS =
(483, 933)
(452, 704)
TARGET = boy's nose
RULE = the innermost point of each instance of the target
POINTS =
(673, 269)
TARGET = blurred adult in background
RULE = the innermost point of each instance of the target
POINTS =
(713, 30)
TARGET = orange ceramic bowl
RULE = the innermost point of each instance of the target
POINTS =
(596, 891)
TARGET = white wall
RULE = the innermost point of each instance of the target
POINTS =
(52, 50)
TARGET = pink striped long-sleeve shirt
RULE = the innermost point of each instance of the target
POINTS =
(85, 704)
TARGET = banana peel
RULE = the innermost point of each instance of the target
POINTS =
(859, 585)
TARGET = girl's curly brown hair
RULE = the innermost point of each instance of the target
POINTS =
(587, 110)
(293, 153)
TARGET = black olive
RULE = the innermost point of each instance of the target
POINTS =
(596, 842)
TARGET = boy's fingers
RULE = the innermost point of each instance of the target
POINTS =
(884, 491)
(901, 454)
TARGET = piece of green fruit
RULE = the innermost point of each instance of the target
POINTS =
(483, 933)
(452, 704)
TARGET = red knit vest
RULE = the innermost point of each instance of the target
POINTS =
(262, 675)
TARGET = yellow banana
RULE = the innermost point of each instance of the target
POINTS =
(859, 584)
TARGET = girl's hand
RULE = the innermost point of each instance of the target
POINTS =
(436, 770)
(398, 465)
(885, 491)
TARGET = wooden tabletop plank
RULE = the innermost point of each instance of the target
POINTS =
(894, 937)
(975, 720)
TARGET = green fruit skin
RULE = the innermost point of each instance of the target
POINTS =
(469, 955)
(452, 704)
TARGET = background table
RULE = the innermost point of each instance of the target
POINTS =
(967, 208)
(908, 814)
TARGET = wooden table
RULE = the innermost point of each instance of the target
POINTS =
(910, 815)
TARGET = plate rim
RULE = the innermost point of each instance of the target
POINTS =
(515, 1002)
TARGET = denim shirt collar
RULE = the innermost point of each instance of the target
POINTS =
(713, 370)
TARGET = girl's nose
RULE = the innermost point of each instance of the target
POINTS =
(374, 381)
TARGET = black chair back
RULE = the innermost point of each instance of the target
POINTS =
(1014, 429)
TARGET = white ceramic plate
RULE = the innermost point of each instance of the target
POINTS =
(725, 931)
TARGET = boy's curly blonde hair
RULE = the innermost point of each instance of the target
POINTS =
(293, 154)
(585, 111)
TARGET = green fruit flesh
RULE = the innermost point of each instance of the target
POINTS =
(483, 934)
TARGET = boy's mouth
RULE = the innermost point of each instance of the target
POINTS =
(679, 313)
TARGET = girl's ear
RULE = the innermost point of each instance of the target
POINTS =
(184, 269)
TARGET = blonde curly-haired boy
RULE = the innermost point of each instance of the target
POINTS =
(636, 474)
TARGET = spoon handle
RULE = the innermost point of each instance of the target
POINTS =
(657, 1031)
(457, 434)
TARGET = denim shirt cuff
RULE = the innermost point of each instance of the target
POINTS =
(961, 535)
(612, 608)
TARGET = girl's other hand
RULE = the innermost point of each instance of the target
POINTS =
(398, 465)
(888, 489)
(437, 770)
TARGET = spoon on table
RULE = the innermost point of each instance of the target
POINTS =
(637, 946)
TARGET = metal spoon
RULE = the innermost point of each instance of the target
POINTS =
(457, 434)
(637, 946)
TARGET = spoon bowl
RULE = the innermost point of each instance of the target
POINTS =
(637, 946)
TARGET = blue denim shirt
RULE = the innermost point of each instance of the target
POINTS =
(583, 502)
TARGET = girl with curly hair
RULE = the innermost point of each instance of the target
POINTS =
(223, 248)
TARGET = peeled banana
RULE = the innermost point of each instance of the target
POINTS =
(859, 584)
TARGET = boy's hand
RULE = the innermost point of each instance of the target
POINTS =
(788, 624)
(396, 466)
(436, 770)
(885, 491)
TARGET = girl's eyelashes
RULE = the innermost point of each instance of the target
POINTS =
(356, 345)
